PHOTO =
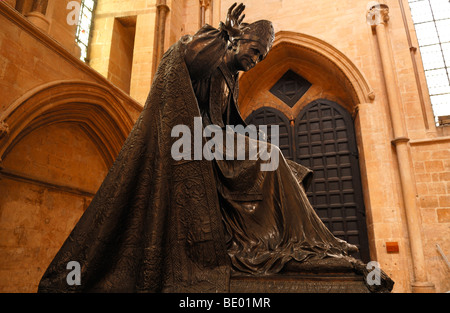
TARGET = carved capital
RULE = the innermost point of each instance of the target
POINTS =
(398, 140)
(205, 3)
(377, 13)
(161, 5)
(4, 129)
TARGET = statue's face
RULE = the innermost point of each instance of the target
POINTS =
(248, 54)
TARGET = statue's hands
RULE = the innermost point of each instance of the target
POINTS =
(234, 20)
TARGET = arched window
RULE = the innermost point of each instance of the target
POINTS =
(84, 26)
(432, 24)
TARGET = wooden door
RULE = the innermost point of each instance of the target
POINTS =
(322, 138)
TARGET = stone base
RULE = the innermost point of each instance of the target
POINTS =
(301, 283)
(39, 19)
(423, 287)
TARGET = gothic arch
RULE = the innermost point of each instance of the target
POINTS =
(311, 57)
(96, 109)
(329, 73)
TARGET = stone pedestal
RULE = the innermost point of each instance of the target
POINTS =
(329, 275)
(302, 283)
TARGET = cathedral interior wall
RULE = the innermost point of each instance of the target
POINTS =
(49, 176)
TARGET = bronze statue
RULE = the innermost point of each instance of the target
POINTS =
(159, 224)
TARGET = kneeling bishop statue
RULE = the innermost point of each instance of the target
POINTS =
(165, 224)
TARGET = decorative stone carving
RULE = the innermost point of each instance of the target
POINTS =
(4, 129)
(205, 3)
(377, 14)
(290, 88)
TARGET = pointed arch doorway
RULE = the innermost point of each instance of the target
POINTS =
(313, 91)
(322, 138)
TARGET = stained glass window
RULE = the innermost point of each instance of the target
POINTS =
(432, 23)
(84, 26)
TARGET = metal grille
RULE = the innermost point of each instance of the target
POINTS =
(432, 24)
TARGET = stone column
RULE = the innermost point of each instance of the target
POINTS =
(37, 15)
(378, 17)
(204, 4)
(161, 15)
(40, 6)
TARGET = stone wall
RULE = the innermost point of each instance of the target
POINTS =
(61, 126)
(47, 182)
(120, 24)
(431, 159)
(344, 28)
